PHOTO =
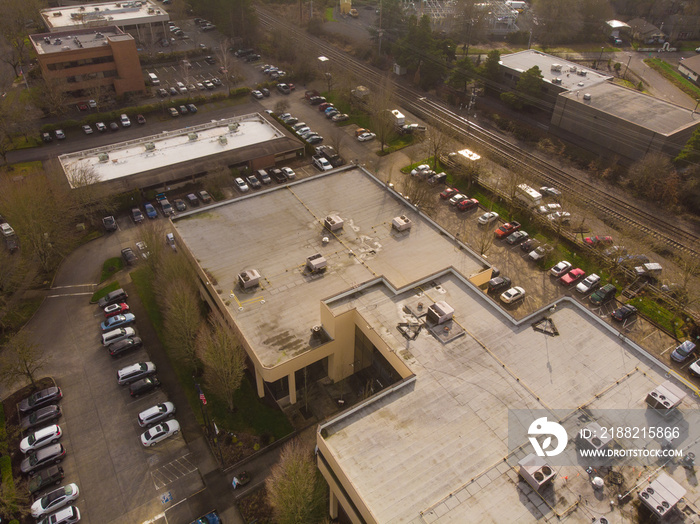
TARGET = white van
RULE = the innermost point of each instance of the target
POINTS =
(153, 79)
(116, 335)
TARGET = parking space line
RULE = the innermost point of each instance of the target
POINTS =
(173, 470)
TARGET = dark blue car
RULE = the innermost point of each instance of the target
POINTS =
(151, 211)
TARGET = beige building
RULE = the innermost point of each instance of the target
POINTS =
(87, 59)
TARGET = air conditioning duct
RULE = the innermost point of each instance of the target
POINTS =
(401, 223)
(150, 146)
(192, 136)
(316, 263)
(662, 495)
(535, 471)
(333, 222)
(249, 278)
(593, 437)
(223, 140)
(665, 398)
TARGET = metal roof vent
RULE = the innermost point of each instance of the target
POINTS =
(440, 312)
(233, 127)
(333, 222)
(192, 136)
(223, 140)
(316, 263)
(593, 437)
(586, 96)
(103, 157)
(662, 495)
(150, 146)
(555, 67)
(535, 471)
(556, 80)
(401, 223)
(665, 398)
(249, 278)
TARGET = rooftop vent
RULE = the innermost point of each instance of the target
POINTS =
(593, 437)
(401, 223)
(556, 67)
(556, 80)
(193, 136)
(440, 312)
(249, 278)
(665, 398)
(150, 146)
(223, 140)
(535, 471)
(233, 127)
(57, 41)
(582, 72)
(58, 13)
(573, 69)
(333, 222)
(662, 495)
(99, 35)
(316, 263)
(586, 96)
(103, 157)
(66, 48)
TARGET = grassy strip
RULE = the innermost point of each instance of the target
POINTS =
(26, 167)
(3, 431)
(252, 415)
(110, 267)
(329, 15)
(102, 292)
(8, 483)
(672, 75)
(659, 315)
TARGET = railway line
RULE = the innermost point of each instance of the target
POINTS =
(434, 112)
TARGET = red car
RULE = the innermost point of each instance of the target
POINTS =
(449, 193)
(469, 203)
(116, 309)
(596, 240)
(572, 276)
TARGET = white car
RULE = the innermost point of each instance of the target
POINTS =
(289, 173)
(560, 216)
(125, 120)
(550, 191)
(488, 217)
(160, 432)
(419, 169)
(588, 284)
(457, 199)
(7, 229)
(54, 500)
(69, 515)
(366, 137)
(156, 413)
(513, 295)
(241, 185)
(322, 163)
(87, 129)
(40, 438)
(561, 268)
(257, 94)
(200, 86)
(101, 127)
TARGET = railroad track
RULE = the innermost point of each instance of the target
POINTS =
(435, 112)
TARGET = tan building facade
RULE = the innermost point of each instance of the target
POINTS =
(87, 59)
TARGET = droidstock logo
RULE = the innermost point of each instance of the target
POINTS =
(542, 426)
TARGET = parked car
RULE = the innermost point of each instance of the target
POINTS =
(129, 256)
(560, 268)
(118, 321)
(498, 283)
(624, 312)
(60, 135)
(241, 185)
(114, 126)
(141, 119)
(603, 295)
(469, 203)
(6, 229)
(87, 129)
(550, 191)
(529, 244)
(136, 215)
(71, 514)
(40, 438)
(156, 413)
(560, 217)
(39, 399)
(456, 199)
(366, 137)
(180, 204)
(54, 453)
(257, 94)
(264, 177)
(206, 198)
(514, 294)
(517, 237)
(597, 241)
(539, 252)
(160, 432)
(46, 137)
(118, 295)
(124, 120)
(116, 335)
(683, 351)
(173, 112)
(183, 110)
(120, 348)
(253, 182)
(572, 276)
(135, 372)
(109, 223)
(487, 217)
(45, 477)
(289, 173)
(192, 108)
(192, 200)
(341, 117)
(694, 368)
(314, 139)
(101, 127)
(54, 500)
(278, 175)
(588, 284)
(143, 386)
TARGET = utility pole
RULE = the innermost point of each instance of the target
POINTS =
(624, 77)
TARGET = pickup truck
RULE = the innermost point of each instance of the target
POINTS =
(506, 229)
(166, 207)
(322, 163)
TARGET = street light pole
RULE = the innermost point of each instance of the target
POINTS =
(601, 54)
(624, 77)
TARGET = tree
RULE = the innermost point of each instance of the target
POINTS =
(559, 21)
(462, 74)
(13, 29)
(654, 178)
(419, 193)
(690, 154)
(529, 85)
(295, 488)
(383, 122)
(21, 359)
(86, 194)
(223, 358)
(490, 70)
(49, 97)
(437, 141)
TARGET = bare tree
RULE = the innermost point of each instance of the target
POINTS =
(50, 97)
(437, 141)
(295, 489)
(13, 30)
(381, 105)
(337, 140)
(223, 358)
(153, 234)
(182, 319)
(87, 196)
(419, 192)
(21, 359)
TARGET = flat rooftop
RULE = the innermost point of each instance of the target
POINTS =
(274, 232)
(436, 449)
(638, 108)
(101, 14)
(48, 43)
(569, 73)
(171, 147)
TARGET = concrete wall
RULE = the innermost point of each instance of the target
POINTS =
(126, 59)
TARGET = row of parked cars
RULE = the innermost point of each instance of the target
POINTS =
(43, 454)
(457, 199)
(264, 177)
(179, 204)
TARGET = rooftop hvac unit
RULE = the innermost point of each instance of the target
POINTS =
(535, 471)
(58, 13)
(193, 136)
(556, 67)
(582, 72)
(665, 398)
(316, 263)
(103, 157)
(233, 127)
(223, 140)
(66, 48)
(440, 312)
(99, 35)
(249, 278)
(401, 223)
(586, 96)
(593, 437)
(556, 80)
(333, 222)
(573, 69)
(150, 146)
(662, 495)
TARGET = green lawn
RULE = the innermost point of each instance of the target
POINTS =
(658, 314)
(102, 292)
(110, 267)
